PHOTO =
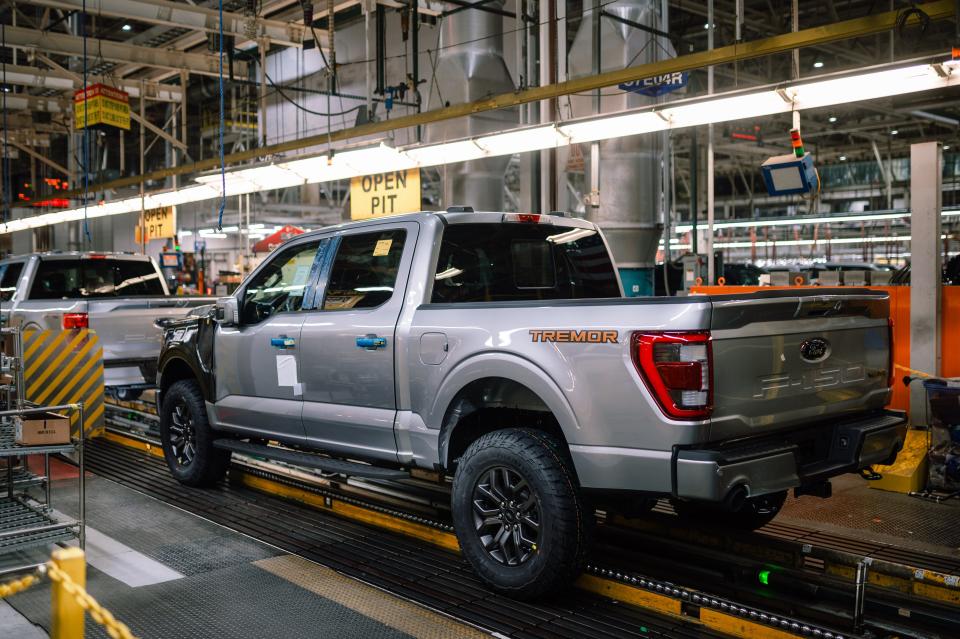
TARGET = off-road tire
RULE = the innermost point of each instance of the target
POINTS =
(755, 513)
(208, 464)
(560, 551)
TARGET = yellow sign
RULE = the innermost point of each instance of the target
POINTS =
(99, 104)
(159, 223)
(385, 194)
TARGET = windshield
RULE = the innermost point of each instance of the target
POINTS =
(519, 262)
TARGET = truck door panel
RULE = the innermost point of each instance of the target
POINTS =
(257, 386)
(347, 363)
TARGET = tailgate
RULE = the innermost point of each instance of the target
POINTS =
(126, 328)
(784, 358)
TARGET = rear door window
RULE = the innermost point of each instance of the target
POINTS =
(9, 278)
(365, 270)
(521, 262)
(94, 278)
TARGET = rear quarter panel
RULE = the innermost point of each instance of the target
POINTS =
(593, 388)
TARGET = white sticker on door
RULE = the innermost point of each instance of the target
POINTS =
(287, 373)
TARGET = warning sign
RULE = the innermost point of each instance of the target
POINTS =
(159, 223)
(385, 194)
(99, 105)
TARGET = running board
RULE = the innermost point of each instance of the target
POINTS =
(308, 460)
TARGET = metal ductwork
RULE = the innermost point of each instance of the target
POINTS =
(631, 172)
(471, 69)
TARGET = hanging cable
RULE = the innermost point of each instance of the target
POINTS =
(86, 126)
(7, 182)
(223, 165)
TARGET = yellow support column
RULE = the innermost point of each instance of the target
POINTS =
(67, 616)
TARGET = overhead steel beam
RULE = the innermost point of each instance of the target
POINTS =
(65, 81)
(876, 23)
(21, 102)
(177, 14)
(49, 42)
(41, 158)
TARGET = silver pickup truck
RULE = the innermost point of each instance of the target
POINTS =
(498, 349)
(119, 295)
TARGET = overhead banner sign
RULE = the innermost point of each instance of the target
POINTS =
(99, 105)
(159, 223)
(385, 194)
(657, 85)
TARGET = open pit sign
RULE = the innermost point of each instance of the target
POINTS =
(385, 194)
(159, 223)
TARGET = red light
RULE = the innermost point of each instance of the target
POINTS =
(97, 256)
(528, 218)
(681, 375)
(75, 320)
(660, 360)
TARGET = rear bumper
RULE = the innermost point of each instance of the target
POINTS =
(765, 465)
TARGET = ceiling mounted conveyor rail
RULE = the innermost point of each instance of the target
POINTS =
(796, 564)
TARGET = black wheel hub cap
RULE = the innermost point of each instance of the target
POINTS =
(506, 515)
(183, 436)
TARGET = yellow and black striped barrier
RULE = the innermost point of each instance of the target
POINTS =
(66, 367)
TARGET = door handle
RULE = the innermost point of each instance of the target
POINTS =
(283, 342)
(371, 342)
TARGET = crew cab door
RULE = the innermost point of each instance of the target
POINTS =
(347, 343)
(258, 389)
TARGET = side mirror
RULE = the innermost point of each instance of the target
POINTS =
(228, 311)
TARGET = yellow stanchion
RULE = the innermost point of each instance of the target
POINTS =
(67, 614)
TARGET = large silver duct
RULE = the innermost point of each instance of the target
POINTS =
(630, 211)
(471, 69)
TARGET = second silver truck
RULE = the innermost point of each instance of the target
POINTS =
(497, 349)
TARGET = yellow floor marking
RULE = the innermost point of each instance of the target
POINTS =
(399, 614)
(737, 627)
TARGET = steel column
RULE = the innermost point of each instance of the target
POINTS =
(925, 267)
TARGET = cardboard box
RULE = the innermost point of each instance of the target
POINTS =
(41, 429)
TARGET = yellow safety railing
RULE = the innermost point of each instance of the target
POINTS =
(69, 599)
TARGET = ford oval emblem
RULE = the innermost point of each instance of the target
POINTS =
(815, 349)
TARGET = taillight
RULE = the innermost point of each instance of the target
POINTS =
(890, 363)
(75, 320)
(677, 369)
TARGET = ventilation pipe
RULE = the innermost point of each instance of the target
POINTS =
(630, 210)
(472, 68)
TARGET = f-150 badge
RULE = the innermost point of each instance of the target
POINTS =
(584, 337)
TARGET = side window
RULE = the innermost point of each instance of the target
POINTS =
(365, 270)
(281, 285)
(57, 280)
(9, 280)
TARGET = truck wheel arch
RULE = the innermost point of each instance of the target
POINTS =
(489, 393)
(175, 369)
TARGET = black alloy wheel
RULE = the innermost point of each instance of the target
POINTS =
(187, 437)
(506, 513)
(183, 437)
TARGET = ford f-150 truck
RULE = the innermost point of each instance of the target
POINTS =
(498, 349)
(119, 295)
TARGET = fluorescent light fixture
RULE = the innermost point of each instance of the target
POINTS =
(832, 118)
(216, 236)
(818, 64)
(126, 27)
(816, 93)
(894, 132)
(843, 158)
(801, 221)
(229, 229)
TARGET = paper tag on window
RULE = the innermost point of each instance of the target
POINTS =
(382, 248)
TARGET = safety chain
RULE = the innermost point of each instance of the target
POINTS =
(116, 629)
(15, 586)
